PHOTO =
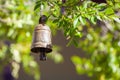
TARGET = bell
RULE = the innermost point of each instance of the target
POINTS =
(41, 40)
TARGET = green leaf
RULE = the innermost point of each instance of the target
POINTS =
(80, 69)
(76, 60)
(93, 19)
(78, 34)
(75, 42)
(55, 20)
(58, 58)
(78, 64)
(82, 20)
(99, 18)
(37, 6)
(38, 2)
(70, 42)
(109, 11)
(101, 6)
(117, 19)
(75, 22)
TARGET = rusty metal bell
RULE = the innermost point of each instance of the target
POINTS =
(41, 40)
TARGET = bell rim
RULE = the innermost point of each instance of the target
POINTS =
(39, 49)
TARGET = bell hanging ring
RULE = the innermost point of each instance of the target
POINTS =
(41, 40)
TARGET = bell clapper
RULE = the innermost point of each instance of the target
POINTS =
(43, 56)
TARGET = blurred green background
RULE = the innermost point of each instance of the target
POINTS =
(91, 26)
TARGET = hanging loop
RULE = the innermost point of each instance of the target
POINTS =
(41, 8)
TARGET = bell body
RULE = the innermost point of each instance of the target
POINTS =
(41, 40)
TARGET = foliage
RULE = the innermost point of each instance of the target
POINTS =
(88, 25)
(93, 27)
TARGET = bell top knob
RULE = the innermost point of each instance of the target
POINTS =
(43, 19)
